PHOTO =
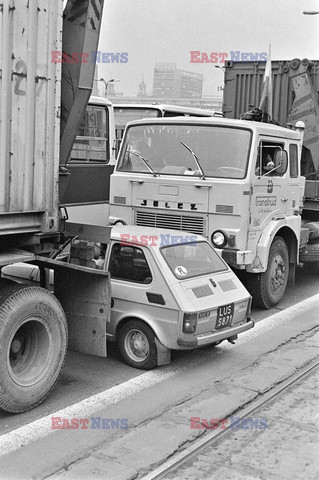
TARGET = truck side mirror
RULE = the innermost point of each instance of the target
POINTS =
(281, 161)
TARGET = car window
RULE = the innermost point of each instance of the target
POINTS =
(129, 263)
(193, 259)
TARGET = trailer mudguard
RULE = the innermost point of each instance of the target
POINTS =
(85, 295)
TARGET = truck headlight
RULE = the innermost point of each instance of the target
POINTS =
(189, 322)
(219, 239)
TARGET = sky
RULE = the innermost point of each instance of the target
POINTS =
(153, 31)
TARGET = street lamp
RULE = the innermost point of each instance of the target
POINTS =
(106, 83)
(220, 88)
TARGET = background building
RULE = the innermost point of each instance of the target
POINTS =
(171, 86)
(171, 82)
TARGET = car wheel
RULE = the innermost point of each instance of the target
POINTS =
(137, 345)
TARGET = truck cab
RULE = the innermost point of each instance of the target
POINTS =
(236, 182)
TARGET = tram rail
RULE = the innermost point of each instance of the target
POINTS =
(208, 439)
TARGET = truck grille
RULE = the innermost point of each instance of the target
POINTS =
(188, 223)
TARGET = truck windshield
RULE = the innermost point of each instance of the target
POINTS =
(192, 259)
(222, 151)
(123, 115)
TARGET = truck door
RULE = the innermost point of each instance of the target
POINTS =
(90, 160)
(269, 199)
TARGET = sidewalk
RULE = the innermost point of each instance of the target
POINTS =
(146, 446)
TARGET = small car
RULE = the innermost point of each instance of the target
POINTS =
(170, 291)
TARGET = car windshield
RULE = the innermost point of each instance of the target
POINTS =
(192, 259)
(171, 150)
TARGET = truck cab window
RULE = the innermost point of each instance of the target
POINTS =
(267, 159)
(129, 263)
(293, 156)
(92, 143)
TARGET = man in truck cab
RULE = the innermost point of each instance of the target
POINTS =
(268, 160)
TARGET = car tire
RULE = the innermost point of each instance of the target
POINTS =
(137, 345)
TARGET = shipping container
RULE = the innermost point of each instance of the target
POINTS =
(29, 115)
(244, 82)
(295, 92)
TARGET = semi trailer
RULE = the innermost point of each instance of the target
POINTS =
(42, 106)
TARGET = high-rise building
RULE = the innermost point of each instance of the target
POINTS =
(171, 82)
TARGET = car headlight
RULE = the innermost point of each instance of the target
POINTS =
(219, 239)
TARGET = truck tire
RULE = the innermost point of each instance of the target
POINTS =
(137, 345)
(33, 344)
(268, 288)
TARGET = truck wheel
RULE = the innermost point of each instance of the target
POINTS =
(137, 345)
(268, 288)
(33, 343)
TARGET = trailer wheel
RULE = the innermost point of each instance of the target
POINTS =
(137, 345)
(268, 288)
(33, 343)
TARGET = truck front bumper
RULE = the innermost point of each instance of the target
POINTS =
(237, 258)
(213, 337)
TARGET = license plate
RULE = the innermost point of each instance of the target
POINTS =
(225, 315)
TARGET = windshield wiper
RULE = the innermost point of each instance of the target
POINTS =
(196, 159)
(145, 163)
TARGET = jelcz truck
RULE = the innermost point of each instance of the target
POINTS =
(236, 182)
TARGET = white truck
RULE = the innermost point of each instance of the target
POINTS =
(236, 182)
